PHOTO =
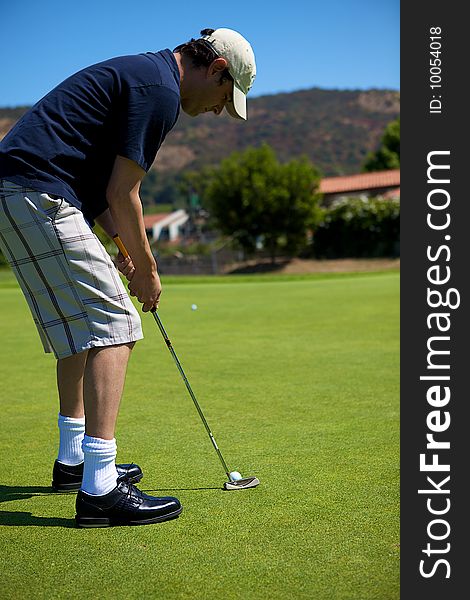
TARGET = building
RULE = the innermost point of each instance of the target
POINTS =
(362, 185)
(167, 227)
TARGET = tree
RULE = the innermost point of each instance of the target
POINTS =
(254, 198)
(388, 155)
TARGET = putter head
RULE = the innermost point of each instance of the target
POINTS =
(242, 484)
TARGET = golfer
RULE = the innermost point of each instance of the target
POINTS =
(78, 157)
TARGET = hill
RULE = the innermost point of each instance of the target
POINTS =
(335, 129)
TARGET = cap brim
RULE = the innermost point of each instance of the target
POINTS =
(237, 108)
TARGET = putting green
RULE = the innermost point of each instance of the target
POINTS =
(299, 380)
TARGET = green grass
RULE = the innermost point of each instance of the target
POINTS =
(299, 381)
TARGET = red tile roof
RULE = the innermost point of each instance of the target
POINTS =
(150, 220)
(362, 181)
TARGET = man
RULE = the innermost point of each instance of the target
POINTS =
(79, 156)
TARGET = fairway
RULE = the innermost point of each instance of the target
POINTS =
(299, 380)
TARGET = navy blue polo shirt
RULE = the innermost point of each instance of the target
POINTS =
(67, 143)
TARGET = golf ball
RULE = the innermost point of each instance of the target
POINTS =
(235, 476)
(193, 306)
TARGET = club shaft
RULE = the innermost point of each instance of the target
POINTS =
(124, 252)
(191, 393)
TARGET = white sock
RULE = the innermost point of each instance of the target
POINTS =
(71, 432)
(99, 470)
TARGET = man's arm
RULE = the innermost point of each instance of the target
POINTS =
(125, 209)
(106, 222)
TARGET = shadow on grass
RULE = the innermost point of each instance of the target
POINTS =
(27, 519)
(193, 489)
(263, 266)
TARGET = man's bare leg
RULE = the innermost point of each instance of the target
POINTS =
(97, 375)
(70, 375)
(103, 499)
(103, 384)
(70, 372)
(90, 382)
(104, 377)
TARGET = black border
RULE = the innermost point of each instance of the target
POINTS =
(423, 132)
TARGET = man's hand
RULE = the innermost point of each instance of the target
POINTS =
(126, 266)
(147, 288)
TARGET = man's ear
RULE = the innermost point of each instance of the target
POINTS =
(217, 66)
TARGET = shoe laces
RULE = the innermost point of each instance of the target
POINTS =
(133, 494)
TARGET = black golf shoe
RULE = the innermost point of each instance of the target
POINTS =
(125, 505)
(66, 478)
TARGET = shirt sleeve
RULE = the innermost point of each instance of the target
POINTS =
(147, 114)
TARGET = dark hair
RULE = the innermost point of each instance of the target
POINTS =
(202, 54)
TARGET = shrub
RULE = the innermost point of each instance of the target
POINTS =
(356, 227)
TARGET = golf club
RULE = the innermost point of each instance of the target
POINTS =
(235, 481)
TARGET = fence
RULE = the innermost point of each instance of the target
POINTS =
(216, 263)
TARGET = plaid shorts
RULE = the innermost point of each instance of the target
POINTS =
(72, 287)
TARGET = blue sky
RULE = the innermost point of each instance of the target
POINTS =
(342, 44)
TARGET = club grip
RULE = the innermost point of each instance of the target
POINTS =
(120, 245)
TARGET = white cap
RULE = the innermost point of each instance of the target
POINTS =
(232, 46)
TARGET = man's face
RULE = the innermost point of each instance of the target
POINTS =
(206, 93)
